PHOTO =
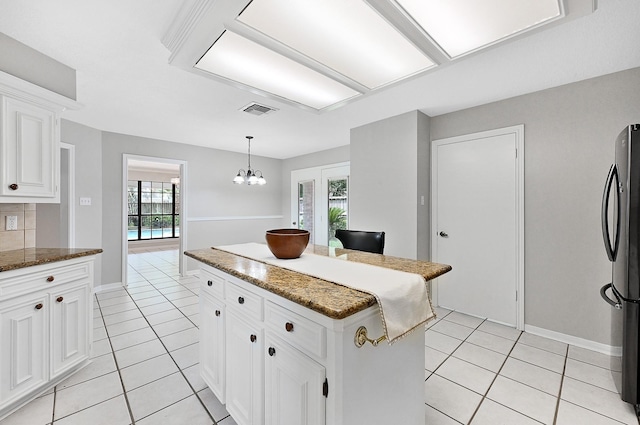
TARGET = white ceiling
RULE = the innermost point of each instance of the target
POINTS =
(127, 86)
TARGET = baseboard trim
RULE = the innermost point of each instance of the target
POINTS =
(108, 287)
(193, 272)
(574, 340)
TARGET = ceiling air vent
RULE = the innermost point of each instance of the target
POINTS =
(257, 109)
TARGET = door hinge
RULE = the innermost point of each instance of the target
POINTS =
(325, 388)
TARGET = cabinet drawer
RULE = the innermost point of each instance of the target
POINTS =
(298, 331)
(212, 284)
(46, 278)
(243, 301)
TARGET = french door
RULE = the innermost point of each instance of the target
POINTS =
(320, 201)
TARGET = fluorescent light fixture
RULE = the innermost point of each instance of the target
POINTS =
(239, 59)
(461, 26)
(348, 36)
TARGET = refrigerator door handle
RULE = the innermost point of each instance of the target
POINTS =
(612, 249)
(603, 293)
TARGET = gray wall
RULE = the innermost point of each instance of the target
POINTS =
(209, 190)
(385, 159)
(24, 62)
(569, 135)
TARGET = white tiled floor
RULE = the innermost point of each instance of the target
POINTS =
(145, 367)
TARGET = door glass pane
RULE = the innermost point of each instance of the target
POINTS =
(338, 214)
(306, 207)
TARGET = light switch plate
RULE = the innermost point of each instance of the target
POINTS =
(12, 222)
(85, 201)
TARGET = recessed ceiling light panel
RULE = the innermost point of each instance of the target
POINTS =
(461, 26)
(345, 35)
(239, 59)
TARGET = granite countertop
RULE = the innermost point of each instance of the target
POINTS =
(19, 258)
(328, 298)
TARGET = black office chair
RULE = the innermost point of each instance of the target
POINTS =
(361, 241)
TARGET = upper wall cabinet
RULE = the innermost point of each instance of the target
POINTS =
(30, 141)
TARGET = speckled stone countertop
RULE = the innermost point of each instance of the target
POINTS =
(19, 258)
(328, 298)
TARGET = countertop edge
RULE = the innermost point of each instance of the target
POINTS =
(49, 259)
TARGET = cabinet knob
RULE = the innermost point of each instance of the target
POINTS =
(13, 186)
(217, 313)
(209, 282)
(50, 279)
(241, 300)
(272, 351)
(38, 306)
(253, 338)
(289, 326)
(59, 299)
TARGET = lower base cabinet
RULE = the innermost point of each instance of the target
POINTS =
(274, 362)
(45, 328)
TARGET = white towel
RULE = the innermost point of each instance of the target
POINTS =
(402, 297)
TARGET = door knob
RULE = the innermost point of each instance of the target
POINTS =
(443, 234)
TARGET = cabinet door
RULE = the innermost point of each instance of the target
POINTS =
(30, 150)
(293, 386)
(212, 344)
(244, 370)
(24, 354)
(70, 333)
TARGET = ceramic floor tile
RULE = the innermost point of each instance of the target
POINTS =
(187, 411)
(159, 299)
(434, 417)
(100, 348)
(139, 353)
(538, 357)
(167, 328)
(466, 374)
(122, 317)
(213, 405)
(441, 342)
(592, 357)
(124, 298)
(452, 329)
(546, 344)
(480, 356)
(534, 376)
(491, 342)
(428, 325)
(195, 319)
(183, 293)
(99, 333)
(110, 412)
(570, 414)
(87, 394)
(99, 366)
(132, 290)
(183, 302)
(127, 326)
(170, 287)
(227, 421)
(524, 399)
(591, 374)
(190, 310)
(186, 356)
(139, 296)
(116, 293)
(157, 395)
(118, 308)
(464, 319)
(451, 399)
(38, 412)
(492, 413)
(165, 316)
(499, 330)
(441, 312)
(433, 358)
(157, 308)
(192, 373)
(132, 338)
(599, 400)
(142, 373)
(181, 339)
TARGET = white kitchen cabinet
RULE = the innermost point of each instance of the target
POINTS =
(29, 141)
(293, 386)
(46, 315)
(285, 364)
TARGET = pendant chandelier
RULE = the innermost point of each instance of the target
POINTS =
(250, 176)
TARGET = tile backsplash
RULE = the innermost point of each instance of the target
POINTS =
(25, 236)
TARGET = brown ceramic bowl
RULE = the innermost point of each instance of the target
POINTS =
(287, 243)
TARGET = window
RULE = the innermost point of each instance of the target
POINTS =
(153, 210)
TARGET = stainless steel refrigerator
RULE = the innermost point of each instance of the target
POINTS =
(621, 232)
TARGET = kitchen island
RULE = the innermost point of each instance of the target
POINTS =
(284, 347)
(46, 317)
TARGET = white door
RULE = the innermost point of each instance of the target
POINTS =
(212, 348)
(312, 196)
(477, 222)
(70, 334)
